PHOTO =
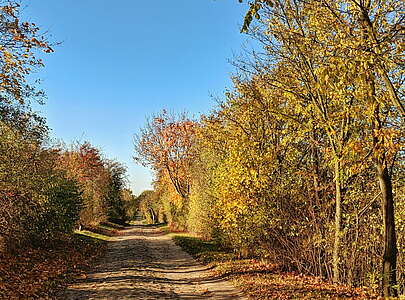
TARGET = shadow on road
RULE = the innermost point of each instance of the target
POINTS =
(142, 262)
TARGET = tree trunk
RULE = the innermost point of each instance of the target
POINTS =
(390, 244)
(389, 264)
(152, 214)
(338, 218)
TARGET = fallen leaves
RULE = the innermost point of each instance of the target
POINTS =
(266, 281)
(42, 273)
(260, 279)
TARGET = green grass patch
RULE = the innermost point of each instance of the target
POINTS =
(111, 226)
(204, 251)
(165, 229)
(90, 238)
(94, 235)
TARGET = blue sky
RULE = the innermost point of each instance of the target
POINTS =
(121, 61)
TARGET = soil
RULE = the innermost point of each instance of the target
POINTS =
(144, 263)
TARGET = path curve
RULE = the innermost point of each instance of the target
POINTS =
(143, 263)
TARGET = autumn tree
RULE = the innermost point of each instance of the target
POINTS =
(84, 164)
(148, 203)
(373, 36)
(165, 144)
(44, 190)
(19, 45)
(289, 42)
(359, 42)
(38, 200)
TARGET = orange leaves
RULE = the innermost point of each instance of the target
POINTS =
(388, 141)
(260, 280)
(83, 163)
(166, 145)
(10, 9)
(19, 42)
(36, 273)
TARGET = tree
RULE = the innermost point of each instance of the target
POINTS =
(18, 44)
(360, 46)
(130, 203)
(115, 202)
(165, 144)
(289, 41)
(85, 165)
(38, 200)
(148, 205)
(378, 47)
(28, 123)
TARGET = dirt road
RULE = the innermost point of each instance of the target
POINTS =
(144, 263)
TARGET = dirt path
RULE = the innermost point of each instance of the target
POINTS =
(146, 264)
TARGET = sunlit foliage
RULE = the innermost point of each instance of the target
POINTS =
(302, 160)
(20, 43)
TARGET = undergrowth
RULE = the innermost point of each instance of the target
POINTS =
(260, 279)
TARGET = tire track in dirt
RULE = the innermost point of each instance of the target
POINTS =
(143, 263)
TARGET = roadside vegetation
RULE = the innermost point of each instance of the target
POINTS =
(301, 163)
(296, 179)
(43, 273)
(259, 278)
(47, 190)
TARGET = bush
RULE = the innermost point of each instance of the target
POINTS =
(60, 213)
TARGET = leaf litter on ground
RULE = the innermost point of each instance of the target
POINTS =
(43, 273)
(259, 279)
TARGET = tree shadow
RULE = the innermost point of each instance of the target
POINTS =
(140, 265)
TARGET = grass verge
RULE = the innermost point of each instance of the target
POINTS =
(38, 273)
(263, 280)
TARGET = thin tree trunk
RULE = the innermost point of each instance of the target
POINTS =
(390, 244)
(338, 220)
(389, 264)
(152, 214)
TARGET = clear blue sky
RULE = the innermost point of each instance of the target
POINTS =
(121, 61)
